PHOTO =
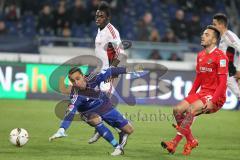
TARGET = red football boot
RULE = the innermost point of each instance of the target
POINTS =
(170, 146)
(189, 146)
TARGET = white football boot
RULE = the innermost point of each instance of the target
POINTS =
(59, 134)
(117, 151)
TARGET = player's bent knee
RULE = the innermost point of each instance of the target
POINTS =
(177, 109)
(128, 129)
(194, 111)
(95, 120)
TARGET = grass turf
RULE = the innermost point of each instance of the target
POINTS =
(218, 134)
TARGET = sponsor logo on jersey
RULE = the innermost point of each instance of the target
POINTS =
(205, 69)
(209, 61)
(223, 63)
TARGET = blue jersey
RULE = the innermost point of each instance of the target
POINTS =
(94, 100)
(92, 97)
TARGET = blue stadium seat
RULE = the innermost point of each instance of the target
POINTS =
(12, 27)
(172, 10)
(206, 19)
(160, 25)
(78, 30)
(29, 31)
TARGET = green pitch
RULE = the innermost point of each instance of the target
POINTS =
(218, 134)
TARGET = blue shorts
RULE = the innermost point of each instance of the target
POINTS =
(114, 119)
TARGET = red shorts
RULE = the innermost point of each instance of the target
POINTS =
(205, 98)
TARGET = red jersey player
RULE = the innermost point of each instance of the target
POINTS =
(211, 78)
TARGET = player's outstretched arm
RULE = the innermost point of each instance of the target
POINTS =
(112, 71)
(65, 124)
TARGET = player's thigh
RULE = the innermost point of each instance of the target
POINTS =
(94, 119)
(238, 75)
(128, 128)
(181, 107)
(233, 86)
(115, 119)
(196, 107)
(216, 106)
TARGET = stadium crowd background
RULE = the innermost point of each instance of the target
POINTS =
(169, 21)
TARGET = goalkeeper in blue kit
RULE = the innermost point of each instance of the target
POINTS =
(95, 106)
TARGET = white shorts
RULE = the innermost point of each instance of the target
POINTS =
(233, 86)
(106, 87)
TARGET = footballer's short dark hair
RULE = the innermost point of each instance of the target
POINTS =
(73, 70)
(104, 6)
(222, 18)
(216, 32)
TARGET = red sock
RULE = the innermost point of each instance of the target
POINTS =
(185, 126)
(189, 136)
(179, 118)
(177, 138)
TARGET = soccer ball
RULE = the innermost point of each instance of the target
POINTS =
(19, 137)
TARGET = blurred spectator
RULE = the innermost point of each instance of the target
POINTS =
(62, 3)
(179, 26)
(145, 27)
(174, 57)
(12, 12)
(45, 21)
(66, 33)
(78, 13)
(154, 36)
(83, 11)
(92, 8)
(31, 6)
(61, 19)
(3, 29)
(204, 6)
(155, 55)
(186, 5)
(2, 2)
(169, 37)
(194, 29)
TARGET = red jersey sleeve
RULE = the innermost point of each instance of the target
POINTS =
(196, 84)
(221, 89)
(222, 65)
(222, 71)
(197, 66)
(197, 81)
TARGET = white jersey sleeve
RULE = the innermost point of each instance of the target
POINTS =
(232, 40)
(116, 40)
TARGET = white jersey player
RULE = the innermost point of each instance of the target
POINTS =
(106, 35)
(107, 43)
(229, 44)
(109, 49)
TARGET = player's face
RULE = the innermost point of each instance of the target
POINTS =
(208, 38)
(101, 19)
(78, 80)
(216, 24)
